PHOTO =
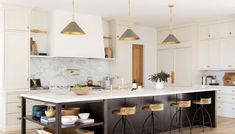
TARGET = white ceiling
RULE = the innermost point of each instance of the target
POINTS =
(148, 12)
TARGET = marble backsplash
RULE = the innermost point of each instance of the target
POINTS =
(47, 69)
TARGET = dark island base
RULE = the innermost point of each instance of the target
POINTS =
(101, 111)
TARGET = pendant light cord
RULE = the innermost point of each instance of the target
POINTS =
(129, 13)
(171, 18)
(73, 16)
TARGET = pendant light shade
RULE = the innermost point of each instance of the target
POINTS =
(171, 39)
(129, 34)
(73, 28)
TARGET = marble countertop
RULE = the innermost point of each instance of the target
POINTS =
(114, 94)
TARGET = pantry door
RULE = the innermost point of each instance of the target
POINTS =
(137, 64)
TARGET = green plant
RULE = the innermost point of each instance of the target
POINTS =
(77, 85)
(162, 77)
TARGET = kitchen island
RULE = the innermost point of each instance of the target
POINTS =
(101, 103)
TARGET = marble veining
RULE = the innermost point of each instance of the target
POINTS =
(46, 69)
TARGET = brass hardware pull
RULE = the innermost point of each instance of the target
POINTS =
(19, 106)
(208, 66)
(230, 66)
(230, 33)
(172, 77)
(18, 97)
(209, 35)
(19, 118)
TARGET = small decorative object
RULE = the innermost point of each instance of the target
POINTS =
(79, 90)
(159, 78)
(50, 111)
(33, 47)
(108, 53)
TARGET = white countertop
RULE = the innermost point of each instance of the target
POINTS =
(114, 94)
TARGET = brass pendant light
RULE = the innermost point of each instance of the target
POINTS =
(73, 28)
(171, 39)
(129, 34)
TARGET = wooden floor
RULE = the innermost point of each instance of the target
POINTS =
(225, 126)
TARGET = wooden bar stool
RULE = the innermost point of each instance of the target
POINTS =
(181, 105)
(202, 102)
(124, 112)
(153, 108)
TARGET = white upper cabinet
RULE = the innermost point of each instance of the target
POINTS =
(16, 18)
(16, 60)
(203, 55)
(211, 31)
(228, 53)
(90, 45)
(228, 29)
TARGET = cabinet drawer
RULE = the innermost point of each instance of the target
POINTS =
(13, 98)
(16, 107)
(226, 98)
(226, 91)
(225, 108)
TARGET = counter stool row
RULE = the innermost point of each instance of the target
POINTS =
(124, 112)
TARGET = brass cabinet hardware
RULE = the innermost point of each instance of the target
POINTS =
(172, 77)
(19, 118)
(19, 106)
(18, 97)
(230, 66)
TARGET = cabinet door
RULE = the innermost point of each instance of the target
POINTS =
(183, 66)
(17, 18)
(183, 34)
(165, 63)
(228, 53)
(209, 32)
(203, 59)
(214, 54)
(16, 60)
(228, 29)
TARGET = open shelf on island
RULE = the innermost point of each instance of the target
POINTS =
(52, 125)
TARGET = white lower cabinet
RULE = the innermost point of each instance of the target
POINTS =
(226, 102)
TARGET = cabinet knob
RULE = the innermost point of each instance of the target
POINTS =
(232, 98)
(230, 33)
(230, 66)
(209, 35)
(232, 108)
(19, 118)
(18, 97)
(208, 66)
(233, 91)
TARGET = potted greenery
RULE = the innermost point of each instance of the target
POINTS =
(159, 78)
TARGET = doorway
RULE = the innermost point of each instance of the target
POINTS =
(137, 64)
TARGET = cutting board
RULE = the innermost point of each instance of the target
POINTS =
(229, 77)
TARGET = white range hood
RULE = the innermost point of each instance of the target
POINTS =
(90, 45)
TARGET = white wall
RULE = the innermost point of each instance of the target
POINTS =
(124, 51)
(90, 45)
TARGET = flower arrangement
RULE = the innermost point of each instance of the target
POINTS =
(159, 77)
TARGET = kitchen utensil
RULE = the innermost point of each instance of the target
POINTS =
(70, 111)
(81, 90)
(84, 116)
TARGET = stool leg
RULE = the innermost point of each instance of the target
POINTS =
(159, 123)
(194, 116)
(142, 130)
(116, 125)
(124, 124)
(203, 120)
(208, 116)
(128, 122)
(153, 123)
(188, 121)
(173, 120)
(180, 120)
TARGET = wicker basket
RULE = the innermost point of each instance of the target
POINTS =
(81, 90)
(70, 111)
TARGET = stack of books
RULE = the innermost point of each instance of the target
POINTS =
(45, 119)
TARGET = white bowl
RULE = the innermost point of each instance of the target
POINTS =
(84, 116)
(68, 120)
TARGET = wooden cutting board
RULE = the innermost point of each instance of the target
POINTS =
(229, 77)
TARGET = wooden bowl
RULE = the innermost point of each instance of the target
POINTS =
(70, 111)
(81, 90)
(50, 113)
